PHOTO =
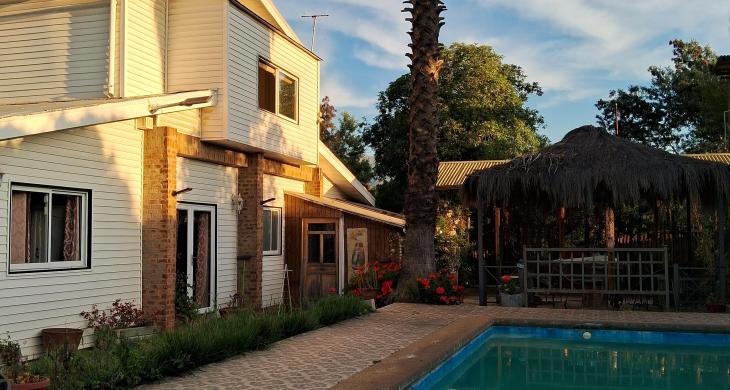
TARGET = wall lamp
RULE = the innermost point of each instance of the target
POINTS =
(184, 190)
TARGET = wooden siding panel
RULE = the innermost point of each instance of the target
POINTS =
(196, 55)
(248, 40)
(47, 52)
(379, 238)
(215, 185)
(106, 159)
(145, 38)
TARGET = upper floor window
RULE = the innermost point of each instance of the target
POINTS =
(278, 91)
(48, 228)
(272, 231)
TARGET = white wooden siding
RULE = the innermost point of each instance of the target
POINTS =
(145, 40)
(331, 191)
(187, 122)
(106, 159)
(54, 51)
(215, 185)
(247, 41)
(196, 55)
(273, 266)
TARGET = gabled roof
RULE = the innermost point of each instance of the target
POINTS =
(268, 11)
(341, 177)
(21, 120)
(367, 212)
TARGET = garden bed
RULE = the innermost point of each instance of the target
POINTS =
(129, 363)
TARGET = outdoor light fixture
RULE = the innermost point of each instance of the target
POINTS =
(267, 201)
(184, 190)
(237, 201)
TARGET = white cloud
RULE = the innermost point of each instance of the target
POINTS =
(342, 96)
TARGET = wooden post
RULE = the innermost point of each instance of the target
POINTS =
(497, 240)
(721, 248)
(609, 228)
(690, 250)
(657, 225)
(480, 255)
(561, 227)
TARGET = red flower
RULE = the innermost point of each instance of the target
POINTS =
(332, 290)
(452, 277)
(356, 292)
(506, 278)
(444, 300)
(440, 290)
(433, 276)
(386, 288)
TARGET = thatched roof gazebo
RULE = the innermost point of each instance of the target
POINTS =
(591, 168)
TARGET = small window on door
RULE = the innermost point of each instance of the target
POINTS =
(272, 231)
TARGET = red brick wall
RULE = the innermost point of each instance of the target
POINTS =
(159, 226)
(316, 186)
(251, 230)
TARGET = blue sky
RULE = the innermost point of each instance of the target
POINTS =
(577, 50)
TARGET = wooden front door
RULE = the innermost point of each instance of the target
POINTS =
(320, 256)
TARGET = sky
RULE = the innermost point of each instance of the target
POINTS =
(577, 50)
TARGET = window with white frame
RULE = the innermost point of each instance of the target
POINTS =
(48, 228)
(272, 231)
(278, 91)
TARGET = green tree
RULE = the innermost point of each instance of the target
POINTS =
(680, 110)
(483, 115)
(345, 140)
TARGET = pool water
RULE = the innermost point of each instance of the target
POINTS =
(552, 358)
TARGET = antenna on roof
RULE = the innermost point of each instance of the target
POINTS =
(314, 26)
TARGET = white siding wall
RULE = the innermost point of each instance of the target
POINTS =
(215, 185)
(187, 122)
(273, 266)
(248, 40)
(331, 191)
(196, 55)
(145, 48)
(106, 159)
(53, 50)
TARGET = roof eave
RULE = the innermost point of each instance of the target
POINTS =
(358, 189)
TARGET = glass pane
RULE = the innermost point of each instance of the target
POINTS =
(267, 87)
(329, 249)
(321, 227)
(313, 248)
(182, 248)
(267, 230)
(275, 229)
(28, 233)
(66, 227)
(201, 258)
(287, 96)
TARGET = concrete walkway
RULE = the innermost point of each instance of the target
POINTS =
(320, 359)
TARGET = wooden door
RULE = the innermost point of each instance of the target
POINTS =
(320, 244)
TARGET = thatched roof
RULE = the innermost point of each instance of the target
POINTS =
(590, 166)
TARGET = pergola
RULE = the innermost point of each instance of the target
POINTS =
(592, 169)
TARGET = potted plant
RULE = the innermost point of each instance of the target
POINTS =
(510, 293)
(713, 304)
(124, 318)
(13, 368)
(375, 281)
(440, 288)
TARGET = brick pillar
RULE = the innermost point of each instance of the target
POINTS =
(251, 230)
(159, 226)
(316, 186)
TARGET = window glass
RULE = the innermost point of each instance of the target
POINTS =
(267, 87)
(201, 258)
(321, 227)
(66, 228)
(287, 96)
(272, 231)
(275, 229)
(313, 253)
(28, 233)
(329, 248)
(267, 230)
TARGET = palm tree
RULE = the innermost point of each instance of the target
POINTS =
(420, 207)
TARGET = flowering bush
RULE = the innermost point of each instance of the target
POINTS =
(440, 288)
(509, 285)
(377, 276)
(121, 315)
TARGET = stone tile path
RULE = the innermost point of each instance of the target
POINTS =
(322, 358)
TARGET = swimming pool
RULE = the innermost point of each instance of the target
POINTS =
(555, 358)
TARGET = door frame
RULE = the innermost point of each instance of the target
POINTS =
(305, 254)
(190, 208)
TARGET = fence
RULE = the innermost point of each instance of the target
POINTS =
(636, 272)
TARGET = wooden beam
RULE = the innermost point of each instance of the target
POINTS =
(289, 171)
(195, 149)
(480, 256)
(721, 267)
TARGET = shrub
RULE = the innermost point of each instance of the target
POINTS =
(333, 309)
(440, 288)
(121, 315)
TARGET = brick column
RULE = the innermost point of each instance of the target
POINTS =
(316, 186)
(159, 226)
(251, 230)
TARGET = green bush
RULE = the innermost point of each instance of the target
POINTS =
(124, 364)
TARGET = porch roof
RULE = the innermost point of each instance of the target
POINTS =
(360, 210)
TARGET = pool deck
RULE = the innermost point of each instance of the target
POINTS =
(401, 342)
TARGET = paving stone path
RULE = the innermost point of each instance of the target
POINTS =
(322, 358)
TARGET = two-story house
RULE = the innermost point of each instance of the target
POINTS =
(149, 142)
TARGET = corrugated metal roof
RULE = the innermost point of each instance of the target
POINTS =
(372, 213)
(453, 173)
(716, 157)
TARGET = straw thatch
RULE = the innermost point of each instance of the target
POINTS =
(589, 167)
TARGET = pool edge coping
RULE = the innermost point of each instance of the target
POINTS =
(406, 366)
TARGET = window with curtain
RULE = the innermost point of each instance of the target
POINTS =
(272, 231)
(278, 91)
(48, 228)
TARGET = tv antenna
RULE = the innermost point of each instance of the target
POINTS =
(314, 26)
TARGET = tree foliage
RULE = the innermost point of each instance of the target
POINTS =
(680, 110)
(345, 140)
(483, 115)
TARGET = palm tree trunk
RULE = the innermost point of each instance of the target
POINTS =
(420, 207)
